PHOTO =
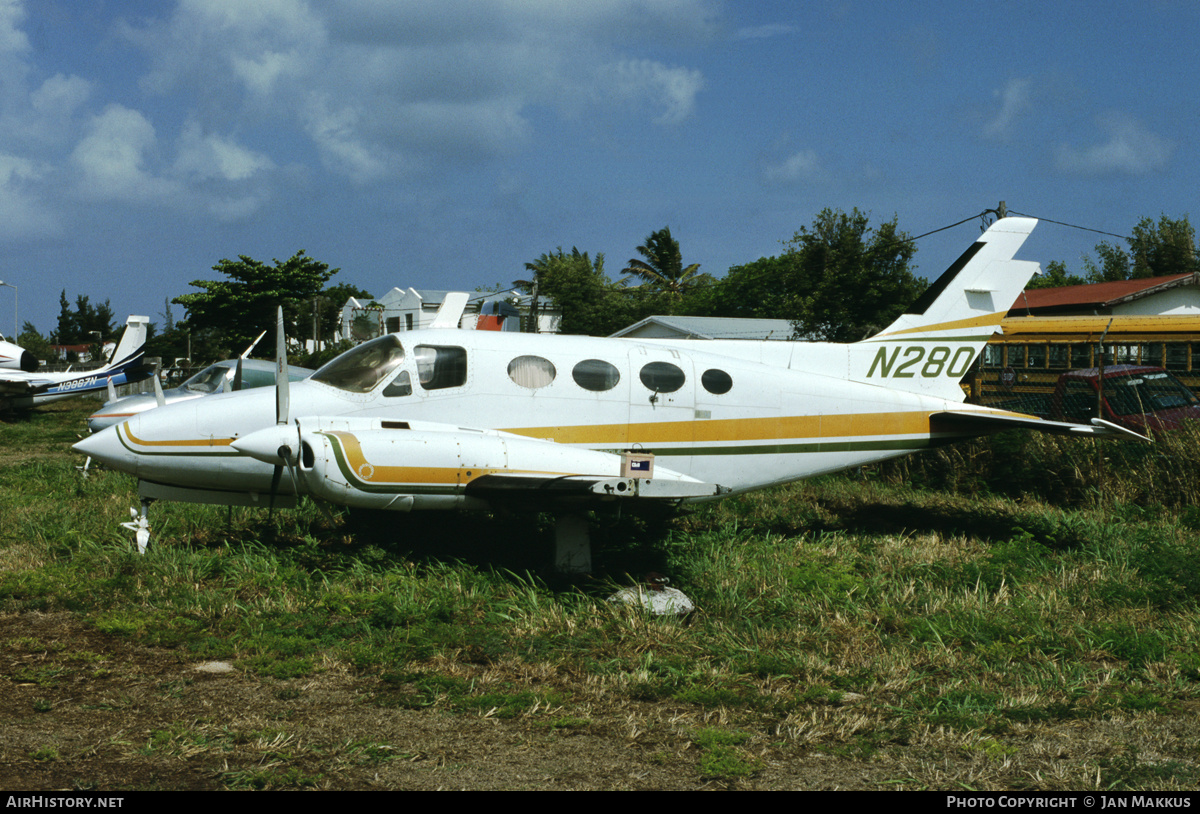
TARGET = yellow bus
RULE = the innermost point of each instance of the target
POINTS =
(1034, 351)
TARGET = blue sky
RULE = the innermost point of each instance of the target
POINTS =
(445, 143)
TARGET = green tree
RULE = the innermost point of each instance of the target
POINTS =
(1055, 276)
(850, 279)
(35, 343)
(662, 269)
(1168, 247)
(85, 323)
(764, 289)
(1155, 250)
(227, 314)
(1112, 264)
(589, 301)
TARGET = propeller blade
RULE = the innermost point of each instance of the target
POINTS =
(237, 374)
(276, 474)
(158, 391)
(253, 344)
(281, 371)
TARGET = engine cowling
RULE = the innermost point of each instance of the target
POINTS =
(14, 357)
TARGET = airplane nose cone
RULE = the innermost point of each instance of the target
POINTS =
(106, 447)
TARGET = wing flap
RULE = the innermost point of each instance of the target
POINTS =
(588, 486)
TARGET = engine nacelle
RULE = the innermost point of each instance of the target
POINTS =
(401, 465)
(14, 357)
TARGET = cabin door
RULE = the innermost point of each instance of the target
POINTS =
(662, 404)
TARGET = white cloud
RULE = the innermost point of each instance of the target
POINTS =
(12, 38)
(763, 32)
(22, 213)
(342, 148)
(1014, 101)
(799, 166)
(672, 91)
(1129, 148)
(60, 96)
(382, 88)
(205, 157)
(112, 157)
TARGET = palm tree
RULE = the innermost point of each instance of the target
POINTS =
(662, 269)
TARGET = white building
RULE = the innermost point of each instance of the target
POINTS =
(411, 309)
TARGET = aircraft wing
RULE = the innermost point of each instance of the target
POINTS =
(14, 384)
(391, 464)
(983, 420)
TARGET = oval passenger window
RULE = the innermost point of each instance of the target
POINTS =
(662, 377)
(717, 382)
(595, 375)
(531, 371)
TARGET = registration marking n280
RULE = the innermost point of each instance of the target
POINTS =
(929, 362)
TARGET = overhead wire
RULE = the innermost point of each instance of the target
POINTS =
(1073, 226)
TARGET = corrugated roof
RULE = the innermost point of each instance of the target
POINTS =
(717, 327)
(1097, 295)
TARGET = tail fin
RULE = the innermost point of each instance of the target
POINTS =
(133, 341)
(451, 310)
(930, 347)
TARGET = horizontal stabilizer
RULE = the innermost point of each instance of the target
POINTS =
(983, 421)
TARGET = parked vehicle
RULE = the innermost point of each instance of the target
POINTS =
(1141, 398)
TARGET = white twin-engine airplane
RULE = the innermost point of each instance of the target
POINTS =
(447, 419)
(22, 386)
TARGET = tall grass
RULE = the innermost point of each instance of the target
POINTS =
(1064, 471)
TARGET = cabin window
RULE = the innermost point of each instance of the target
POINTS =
(1081, 356)
(1037, 356)
(252, 377)
(209, 380)
(1060, 356)
(358, 370)
(662, 377)
(717, 382)
(1177, 356)
(399, 386)
(440, 366)
(595, 375)
(531, 371)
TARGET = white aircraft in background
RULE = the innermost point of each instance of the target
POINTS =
(14, 357)
(22, 389)
(220, 377)
(448, 419)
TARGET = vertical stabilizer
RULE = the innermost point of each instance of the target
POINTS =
(931, 346)
(133, 341)
(451, 310)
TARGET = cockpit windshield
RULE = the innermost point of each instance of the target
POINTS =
(209, 380)
(360, 369)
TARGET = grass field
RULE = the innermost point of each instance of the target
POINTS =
(926, 625)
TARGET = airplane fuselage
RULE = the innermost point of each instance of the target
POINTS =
(711, 417)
